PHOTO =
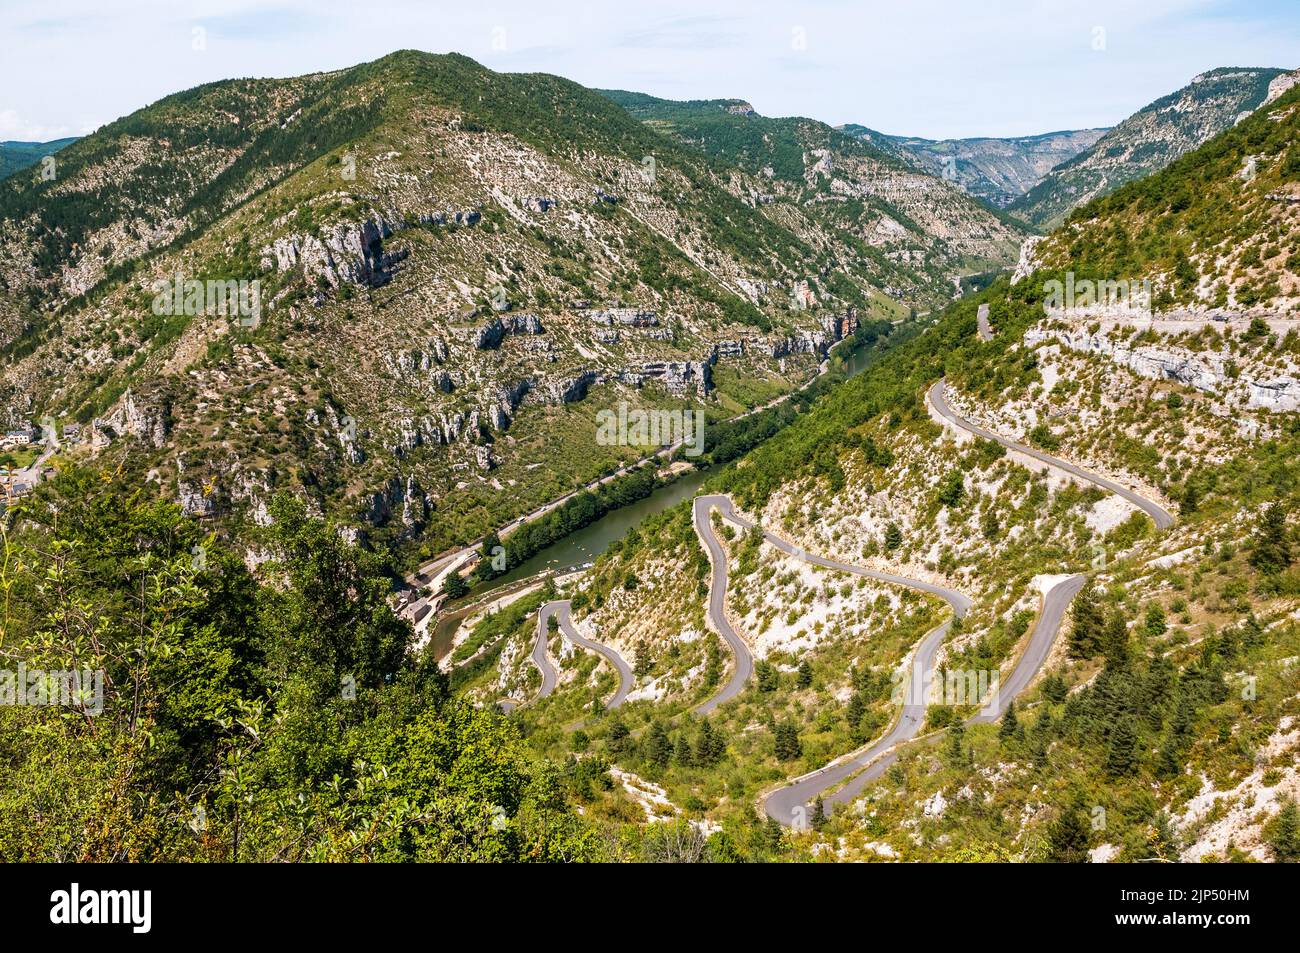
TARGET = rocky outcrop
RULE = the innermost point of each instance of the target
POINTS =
(144, 417)
(1205, 372)
(834, 329)
(495, 331)
(1028, 262)
(397, 496)
(682, 377)
(569, 390)
(627, 317)
(346, 252)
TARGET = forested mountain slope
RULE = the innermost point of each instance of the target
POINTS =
(1150, 139)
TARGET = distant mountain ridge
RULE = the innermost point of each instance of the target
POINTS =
(996, 170)
(16, 154)
(920, 231)
(1148, 141)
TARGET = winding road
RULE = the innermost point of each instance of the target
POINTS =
(791, 805)
(787, 804)
(717, 613)
(561, 610)
(939, 401)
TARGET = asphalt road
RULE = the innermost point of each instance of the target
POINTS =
(540, 657)
(1055, 602)
(561, 610)
(744, 661)
(791, 805)
(982, 322)
(1162, 517)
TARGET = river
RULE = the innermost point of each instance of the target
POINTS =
(582, 547)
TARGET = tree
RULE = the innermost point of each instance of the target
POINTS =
(682, 752)
(1121, 749)
(1054, 688)
(709, 745)
(956, 753)
(1272, 548)
(1155, 623)
(952, 488)
(769, 679)
(893, 537)
(818, 814)
(1010, 726)
(1283, 833)
(454, 586)
(805, 677)
(1114, 638)
(619, 737)
(1085, 633)
(788, 746)
(658, 749)
(1068, 836)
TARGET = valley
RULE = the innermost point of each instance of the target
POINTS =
(439, 463)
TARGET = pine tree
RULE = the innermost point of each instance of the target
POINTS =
(1114, 640)
(957, 754)
(1010, 726)
(1068, 837)
(818, 814)
(1272, 552)
(710, 746)
(1121, 749)
(805, 678)
(788, 746)
(619, 737)
(1085, 638)
(1283, 834)
(682, 752)
(1054, 688)
(893, 537)
(658, 749)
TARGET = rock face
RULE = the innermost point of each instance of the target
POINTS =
(835, 329)
(1205, 372)
(998, 171)
(681, 378)
(495, 331)
(627, 317)
(398, 495)
(145, 418)
(572, 389)
(193, 501)
(345, 252)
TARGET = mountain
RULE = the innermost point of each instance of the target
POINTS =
(16, 155)
(998, 171)
(1216, 229)
(919, 230)
(1150, 139)
(454, 271)
(1176, 630)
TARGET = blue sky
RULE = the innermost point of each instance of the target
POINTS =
(934, 68)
